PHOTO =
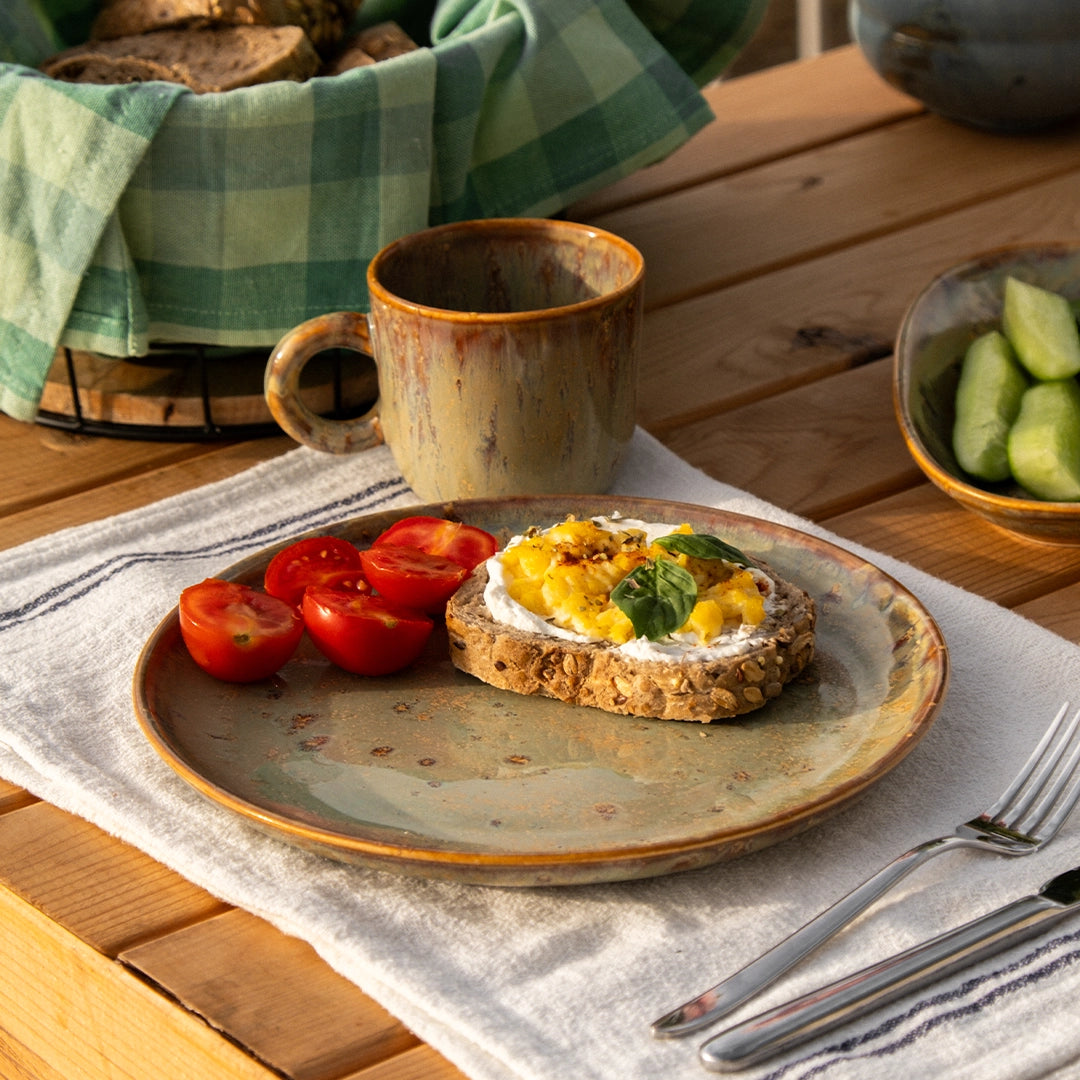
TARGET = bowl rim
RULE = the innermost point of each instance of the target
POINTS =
(959, 486)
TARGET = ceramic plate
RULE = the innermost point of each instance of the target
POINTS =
(430, 772)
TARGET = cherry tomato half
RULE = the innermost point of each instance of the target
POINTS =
(236, 633)
(311, 561)
(467, 545)
(367, 635)
(409, 576)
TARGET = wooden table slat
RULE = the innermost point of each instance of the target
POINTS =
(272, 994)
(129, 493)
(68, 1012)
(106, 892)
(841, 431)
(924, 527)
(1058, 611)
(47, 463)
(12, 797)
(811, 320)
(421, 1063)
(817, 201)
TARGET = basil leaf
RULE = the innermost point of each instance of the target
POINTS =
(703, 546)
(657, 598)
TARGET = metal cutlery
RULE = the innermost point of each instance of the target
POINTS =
(1028, 815)
(819, 1011)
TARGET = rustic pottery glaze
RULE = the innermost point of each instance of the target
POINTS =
(507, 355)
(1006, 65)
(953, 309)
(430, 772)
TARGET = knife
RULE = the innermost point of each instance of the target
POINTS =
(819, 1011)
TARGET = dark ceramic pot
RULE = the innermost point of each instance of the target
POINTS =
(1006, 65)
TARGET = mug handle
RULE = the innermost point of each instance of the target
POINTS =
(281, 384)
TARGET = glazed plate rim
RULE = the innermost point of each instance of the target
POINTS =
(402, 851)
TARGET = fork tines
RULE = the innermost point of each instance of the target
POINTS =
(1048, 786)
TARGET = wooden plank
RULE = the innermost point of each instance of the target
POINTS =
(421, 1063)
(67, 1011)
(272, 994)
(54, 464)
(807, 321)
(927, 529)
(12, 797)
(763, 116)
(129, 493)
(18, 1062)
(1058, 611)
(816, 450)
(815, 202)
(102, 890)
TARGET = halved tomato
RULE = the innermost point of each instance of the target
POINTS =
(237, 633)
(467, 545)
(409, 576)
(314, 560)
(367, 635)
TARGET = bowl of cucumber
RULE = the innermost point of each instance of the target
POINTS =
(986, 388)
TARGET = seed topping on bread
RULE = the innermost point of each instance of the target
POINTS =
(632, 617)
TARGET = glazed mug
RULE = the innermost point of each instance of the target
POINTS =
(507, 359)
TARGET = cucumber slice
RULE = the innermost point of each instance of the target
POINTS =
(987, 401)
(1041, 327)
(1044, 442)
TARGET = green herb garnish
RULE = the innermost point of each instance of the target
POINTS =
(703, 546)
(659, 595)
(657, 598)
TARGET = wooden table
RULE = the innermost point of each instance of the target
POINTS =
(783, 244)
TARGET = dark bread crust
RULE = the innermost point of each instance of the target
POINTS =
(323, 21)
(211, 60)
(595, 674)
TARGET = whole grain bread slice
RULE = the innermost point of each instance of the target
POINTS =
(95, 67)
(598, 674)
(324, 21)
(211, 59)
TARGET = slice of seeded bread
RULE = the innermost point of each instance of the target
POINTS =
(93, 67)
(123, 18)
(599, 675)
(324, 21)
(212, 59)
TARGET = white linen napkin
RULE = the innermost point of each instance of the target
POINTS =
(557, 984)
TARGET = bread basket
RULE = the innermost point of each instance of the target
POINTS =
(225, 219)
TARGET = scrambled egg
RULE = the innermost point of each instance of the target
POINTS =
(565, 575)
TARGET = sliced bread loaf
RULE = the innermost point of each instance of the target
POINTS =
(324, 21)
(95, 67)
(211, 59)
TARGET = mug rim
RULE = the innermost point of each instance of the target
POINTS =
(524, 225)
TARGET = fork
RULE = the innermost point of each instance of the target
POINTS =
(1027, 816)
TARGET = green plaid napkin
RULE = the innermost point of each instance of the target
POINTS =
(146, 213)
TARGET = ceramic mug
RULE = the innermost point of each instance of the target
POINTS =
(507, 359)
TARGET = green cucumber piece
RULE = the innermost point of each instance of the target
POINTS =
(987, 402)
(1044, 442)
(1041, 327)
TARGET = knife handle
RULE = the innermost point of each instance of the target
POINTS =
(822, 1010)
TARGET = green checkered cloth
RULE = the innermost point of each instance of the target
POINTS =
(145, 214)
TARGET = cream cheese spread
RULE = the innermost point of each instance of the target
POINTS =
(674, 647)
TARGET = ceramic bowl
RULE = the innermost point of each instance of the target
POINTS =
(1006, 65)
(945, 317)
